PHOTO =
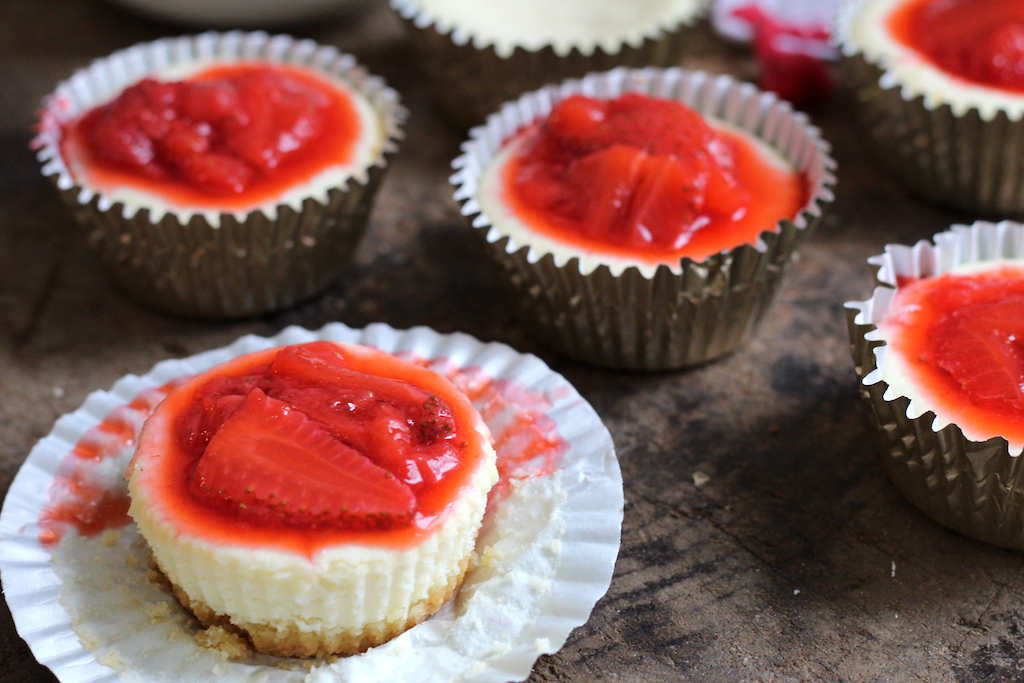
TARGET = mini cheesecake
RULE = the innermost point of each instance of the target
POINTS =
(318, 499)
(939, 355)
(222, 175)
(644, 217)
(940, 89)
(968, 53)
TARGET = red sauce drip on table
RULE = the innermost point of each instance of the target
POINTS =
(980, 41)
(963, 336)
(645, 178)
(227, 138)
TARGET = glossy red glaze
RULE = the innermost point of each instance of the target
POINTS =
(527, 445)
(645, 178)
(446, 464)
(227, 138)
(963, 337)
(89, 507)
(980, 41)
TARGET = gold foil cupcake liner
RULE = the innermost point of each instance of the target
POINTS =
(939, 147)
(665, 316)
(471, 79)
(973, 487)
(209, 264)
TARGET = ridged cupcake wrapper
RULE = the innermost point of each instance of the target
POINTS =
(208, 264)
(470, 81)
(670, 316)
(958, 157)
(973, 487)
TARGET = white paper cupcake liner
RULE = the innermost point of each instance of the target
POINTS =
(952, 144)
(471, 77)
(221, 264)
(643, 316)
(974, 486)
(89, 612)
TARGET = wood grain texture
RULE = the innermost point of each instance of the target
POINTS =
(761, 541)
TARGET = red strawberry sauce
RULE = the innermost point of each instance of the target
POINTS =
(439, 463)
(228, 138)
(645, 178)
(82, 497)
(963, 336)
(981, 41)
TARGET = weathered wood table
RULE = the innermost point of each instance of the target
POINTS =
(761, 541)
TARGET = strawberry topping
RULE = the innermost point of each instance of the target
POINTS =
(981, 41)
(218, 134)
(269, 459)
(642, 176)
(306, 439)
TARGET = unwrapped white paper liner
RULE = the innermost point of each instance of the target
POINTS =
(547, 549)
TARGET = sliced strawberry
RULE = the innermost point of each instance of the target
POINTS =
(598, 188)
(210, 102)
(982, 348)
(666, 202)
(182, 140)
(389, 442)
(576, 122)
(201, 420)
(122, 142)
(311, 378)
(217, 173)
(281, 114)
(658, 126)
(269, 460)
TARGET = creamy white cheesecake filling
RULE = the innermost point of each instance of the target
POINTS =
(366, 151)
(864, 28)
(342, 588)
(491, 196)
(562, 24)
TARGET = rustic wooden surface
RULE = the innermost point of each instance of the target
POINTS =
(762, 540)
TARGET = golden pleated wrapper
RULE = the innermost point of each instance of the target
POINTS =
(973, 487)
(220, 265)
(470, 79)
(669, 316)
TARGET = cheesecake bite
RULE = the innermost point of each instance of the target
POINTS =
(222, 175)
(938, 353)
(318, 499)
(940, 88)
(636, 212)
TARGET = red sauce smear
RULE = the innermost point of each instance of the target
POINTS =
(963, 336)
(980, 41)
(645, 178)
(227, 138)
(80, 496)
